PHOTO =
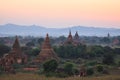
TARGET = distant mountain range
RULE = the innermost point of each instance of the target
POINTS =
(33, 30)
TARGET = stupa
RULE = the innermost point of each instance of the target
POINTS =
(13, 57)
(46, 52)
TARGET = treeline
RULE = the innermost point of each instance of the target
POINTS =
(73, 52)
(105, 54)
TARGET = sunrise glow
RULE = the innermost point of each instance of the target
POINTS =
(61, 13)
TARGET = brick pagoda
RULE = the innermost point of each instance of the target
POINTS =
(46, 52)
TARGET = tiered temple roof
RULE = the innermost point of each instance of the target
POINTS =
(47, 52)
(16, 50)
(16, 55)
(16, 45)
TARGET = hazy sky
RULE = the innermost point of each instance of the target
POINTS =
(61, 13)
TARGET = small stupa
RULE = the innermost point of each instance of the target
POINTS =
(46, 52)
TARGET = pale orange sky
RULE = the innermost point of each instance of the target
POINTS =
(61, 13)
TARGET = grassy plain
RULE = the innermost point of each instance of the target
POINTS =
(31, 76)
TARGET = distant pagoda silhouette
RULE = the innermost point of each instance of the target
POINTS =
(46, 52)
(69, 39)
(76, 38)
(73, 40)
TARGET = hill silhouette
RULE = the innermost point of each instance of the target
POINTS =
(33, 30)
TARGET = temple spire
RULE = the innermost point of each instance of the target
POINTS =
(69, 32)
(46, 43)
(76, 38)
(70, 36)
(47, 38)
(47, 35)
(16, 45)
(76, 35)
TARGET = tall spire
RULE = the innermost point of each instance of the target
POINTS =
(47, 35)
(69, 32)
(70, 36)
(16, 45)
(46, 43)
(76, 37)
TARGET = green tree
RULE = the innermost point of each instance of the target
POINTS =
(30, 44)
(99, 68)
(117, 50)
(4, 49)
(108, 59)
(90, 71)
(40, 40)
(1, 70)
(118, 63)
(50, 66)
(69, 68)
(35, 51)
(97, 51)
(71, 51)
(105, 40)
(62, 38)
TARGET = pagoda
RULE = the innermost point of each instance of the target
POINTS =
(17, 52)
(15, 55)
(46, 52)
(69, 39)
(76, 39)
(108, 35)
(73, 40)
